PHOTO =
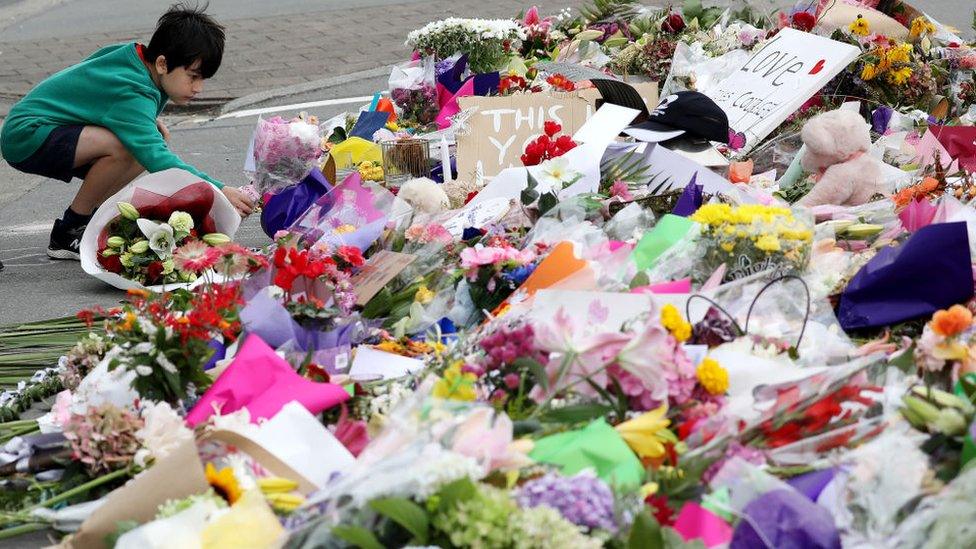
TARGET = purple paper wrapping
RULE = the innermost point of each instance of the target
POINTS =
(267, 318)
(812, 483)
(932, 270)
(785, 519)
(220, 351)
(880, 119)
(691, 198)
(451, 77)
(352, 214)
(288, 205)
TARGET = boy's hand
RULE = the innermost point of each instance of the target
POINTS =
(240, 201)
(162, 130)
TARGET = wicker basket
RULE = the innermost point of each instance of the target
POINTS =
(405, 159)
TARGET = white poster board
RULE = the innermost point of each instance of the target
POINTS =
(777, 79)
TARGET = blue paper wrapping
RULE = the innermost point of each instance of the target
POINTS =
(288, 205)
(932, 270)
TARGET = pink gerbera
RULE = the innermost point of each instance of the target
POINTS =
(195, 256)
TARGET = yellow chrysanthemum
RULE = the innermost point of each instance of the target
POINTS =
(727, 246)
(869, 72)
(921, 26)
(901, 53)
(672, 320)
(898, 77)
(860, 26)
(768, 243)
(456, 385)
(712, 377)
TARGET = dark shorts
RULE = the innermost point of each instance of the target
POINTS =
(56, 156)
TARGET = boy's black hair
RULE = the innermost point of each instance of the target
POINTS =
(185, 34)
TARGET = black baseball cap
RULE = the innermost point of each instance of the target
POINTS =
(683, 113)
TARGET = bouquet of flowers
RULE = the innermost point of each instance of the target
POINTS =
(416, 105)
(285, 151)
(750, 239)
(488, 43)
(495, 269)
(158, 231)
(946, 345)
(143, 250)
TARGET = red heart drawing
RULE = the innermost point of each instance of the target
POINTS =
(818, 67)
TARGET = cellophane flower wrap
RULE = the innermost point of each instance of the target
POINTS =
(750, 239)
(158, 232)
(285, 151)
(488, 43)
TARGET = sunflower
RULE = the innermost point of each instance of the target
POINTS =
(224, 483)
(860, 26)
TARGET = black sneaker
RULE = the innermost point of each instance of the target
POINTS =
(65, 242)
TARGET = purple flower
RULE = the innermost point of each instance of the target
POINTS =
(583, 499)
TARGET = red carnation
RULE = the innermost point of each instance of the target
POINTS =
(154, 270)
(804, 21)
(552, 128)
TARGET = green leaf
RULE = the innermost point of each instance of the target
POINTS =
(357, 536)
(533, 366)
(405, 513)
(905, 361)
(528, 196)
(547, 202)
(639, 280)
(576, 413)
(457, 491)
(645, 533)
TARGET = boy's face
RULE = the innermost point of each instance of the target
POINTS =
(182, 83)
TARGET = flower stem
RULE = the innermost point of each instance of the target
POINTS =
(8, 533)
(95, 483)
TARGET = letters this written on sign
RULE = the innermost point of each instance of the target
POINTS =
(500, 127)
(785, 72)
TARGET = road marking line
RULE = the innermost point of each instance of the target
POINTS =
(296, 106)
(31, 228)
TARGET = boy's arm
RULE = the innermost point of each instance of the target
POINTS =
(133, 121)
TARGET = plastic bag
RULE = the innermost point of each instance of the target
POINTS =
(692, 68)
(751, 239)
(413, 89)
(285, 151)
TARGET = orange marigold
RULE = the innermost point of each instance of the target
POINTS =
(952, 321)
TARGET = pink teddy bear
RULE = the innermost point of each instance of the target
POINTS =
(837, 144)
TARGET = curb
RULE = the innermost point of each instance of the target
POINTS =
(324, 83)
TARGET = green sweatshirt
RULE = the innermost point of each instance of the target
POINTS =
(112, 89)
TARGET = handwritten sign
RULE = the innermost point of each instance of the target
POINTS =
(501, 127)
(777, 79)
(380, 269)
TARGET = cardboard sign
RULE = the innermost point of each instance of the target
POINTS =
(777, 79)
(380, 269)
(501, 127)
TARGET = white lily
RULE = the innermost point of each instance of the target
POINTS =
(160, 236)
(555, 173)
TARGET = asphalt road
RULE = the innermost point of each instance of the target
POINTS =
(33, 287)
